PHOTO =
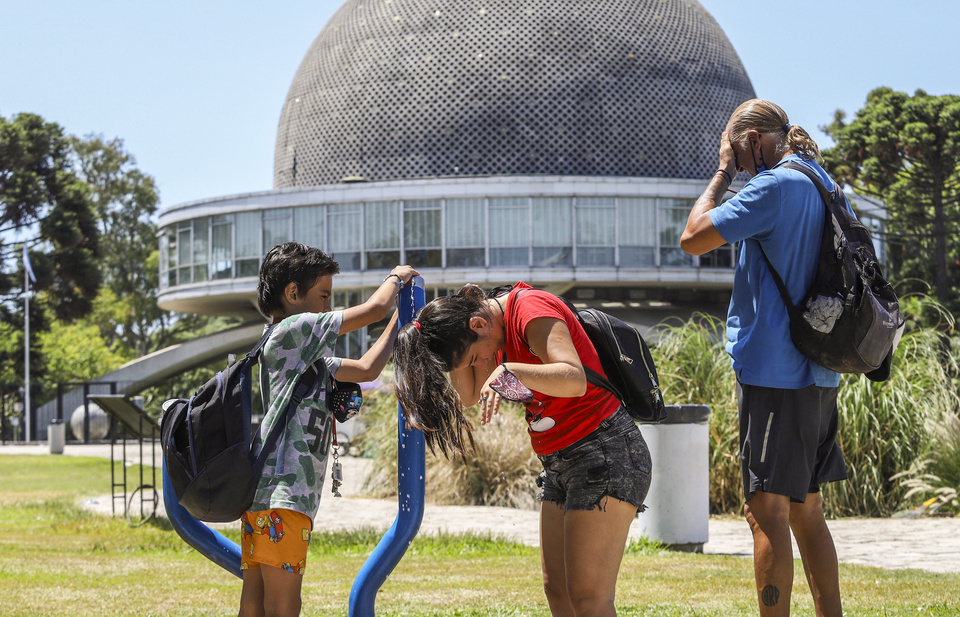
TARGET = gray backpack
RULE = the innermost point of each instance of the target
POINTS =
(850, 320)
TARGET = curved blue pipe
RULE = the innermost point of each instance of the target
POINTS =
(208, 542)
(410, 469)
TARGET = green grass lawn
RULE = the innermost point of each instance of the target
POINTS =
(57, 559)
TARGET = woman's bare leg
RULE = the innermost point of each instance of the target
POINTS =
(593, 547)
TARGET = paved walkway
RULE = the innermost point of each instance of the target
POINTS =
(931, 544)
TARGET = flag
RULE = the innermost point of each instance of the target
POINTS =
(26, 264)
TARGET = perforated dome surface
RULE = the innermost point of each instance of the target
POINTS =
(395, 89)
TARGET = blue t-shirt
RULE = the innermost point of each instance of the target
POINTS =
(782, 211)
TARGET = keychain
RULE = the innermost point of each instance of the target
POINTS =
(336, 475)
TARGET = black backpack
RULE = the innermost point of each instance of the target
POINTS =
(630, 373)
(207, 442)
(850, 319)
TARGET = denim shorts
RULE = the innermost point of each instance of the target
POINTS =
(612, 461)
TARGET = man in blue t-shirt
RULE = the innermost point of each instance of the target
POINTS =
(787, 403)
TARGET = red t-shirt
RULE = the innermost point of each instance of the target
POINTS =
(555, 422)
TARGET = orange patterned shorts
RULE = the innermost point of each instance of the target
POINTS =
(276, 538)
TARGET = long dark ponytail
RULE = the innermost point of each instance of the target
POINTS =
(427, 349)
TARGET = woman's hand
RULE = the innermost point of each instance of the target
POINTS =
(489, 399)
(489, 406)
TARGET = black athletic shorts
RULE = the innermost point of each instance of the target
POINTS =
(788, 440)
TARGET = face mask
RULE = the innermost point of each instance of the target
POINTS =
(762, 167)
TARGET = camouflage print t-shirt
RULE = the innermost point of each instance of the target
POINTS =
(293, 475)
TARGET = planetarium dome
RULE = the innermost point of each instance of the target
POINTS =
(555, 142)
(404, 89)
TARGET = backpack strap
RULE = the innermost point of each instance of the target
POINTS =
(252, 356)
(593, 376)
(792, 309)
(826, 196)
(305, 384)
(253, 353)
(825, 193)
(601, 382)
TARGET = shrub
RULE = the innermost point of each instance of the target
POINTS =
(377, 440)
(694, 369)
(885, 427)
(944, 464)
(936, 478)
(925, 481)
(501, 472)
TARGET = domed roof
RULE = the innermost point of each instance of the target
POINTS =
(397, 89)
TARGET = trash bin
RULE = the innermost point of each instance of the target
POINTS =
(678, 502)
(57, 434)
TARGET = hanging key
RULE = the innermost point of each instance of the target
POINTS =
(337, 478)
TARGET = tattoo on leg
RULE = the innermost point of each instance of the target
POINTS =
(770, 595)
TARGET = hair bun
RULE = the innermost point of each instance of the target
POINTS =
(471, 291)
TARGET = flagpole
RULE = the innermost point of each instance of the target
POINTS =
(26, 348)
(27, 277)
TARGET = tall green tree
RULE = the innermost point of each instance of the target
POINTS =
(125, 200)
(905, 150)
(43, 204)
(131, 325)
(77, 352)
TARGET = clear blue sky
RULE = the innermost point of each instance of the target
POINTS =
(195, 88)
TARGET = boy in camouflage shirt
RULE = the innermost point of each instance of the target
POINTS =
(295, 291)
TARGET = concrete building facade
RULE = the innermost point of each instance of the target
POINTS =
(560, 143)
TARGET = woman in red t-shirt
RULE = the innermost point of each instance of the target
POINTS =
(525, 344)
